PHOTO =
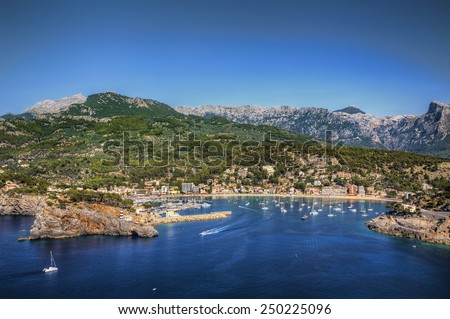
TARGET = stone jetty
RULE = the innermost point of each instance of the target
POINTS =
(191, 218)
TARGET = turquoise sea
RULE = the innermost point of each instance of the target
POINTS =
(253, 254)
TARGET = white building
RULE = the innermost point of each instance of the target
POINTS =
(187, 187)
(361, 191)
(164, 189)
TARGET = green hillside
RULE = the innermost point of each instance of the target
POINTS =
(111, 104)
(67, 147)
(84, 147)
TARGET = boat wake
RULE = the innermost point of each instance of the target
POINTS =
(238, 225)
(243, 207)
(214, 231)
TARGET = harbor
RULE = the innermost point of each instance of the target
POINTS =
(218, 258)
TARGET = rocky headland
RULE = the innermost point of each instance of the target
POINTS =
(21, 205)
(72, 221)
(430, 227)
(83, 220)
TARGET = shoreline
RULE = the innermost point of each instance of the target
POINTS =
(223, 195)
(430, 228)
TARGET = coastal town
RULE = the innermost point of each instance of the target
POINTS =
(233, 159)
(315, 180)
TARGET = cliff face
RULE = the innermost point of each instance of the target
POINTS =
(24, 205)
(425, 228)
(80, 221)
(52, 222)
(427, 133)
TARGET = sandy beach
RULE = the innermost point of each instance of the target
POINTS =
(224, 195)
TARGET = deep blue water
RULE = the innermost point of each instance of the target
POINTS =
(256, 254)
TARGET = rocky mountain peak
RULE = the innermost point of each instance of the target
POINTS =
(55, 106)
(351, 109)
(436, 107)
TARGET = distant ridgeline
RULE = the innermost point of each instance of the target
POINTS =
(427, 133)
(108, 140)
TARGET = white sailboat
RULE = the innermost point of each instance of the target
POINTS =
(337, 207)
(303, 202)
(329, 212)
(52, 266)
(363, 212)
(313, 211)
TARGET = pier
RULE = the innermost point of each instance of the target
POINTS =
(191, 218)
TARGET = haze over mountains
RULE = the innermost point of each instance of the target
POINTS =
(427, 133)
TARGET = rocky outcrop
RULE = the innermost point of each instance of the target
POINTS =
(423, 227)
(53, 222)
(55, 106)
(21, 205)
(350, 110)
(427, 133)
(87, 219)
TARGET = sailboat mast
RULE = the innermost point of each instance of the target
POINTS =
(52, 260)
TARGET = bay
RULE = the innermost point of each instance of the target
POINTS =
(253, 254)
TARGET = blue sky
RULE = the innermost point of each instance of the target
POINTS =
(386, 57)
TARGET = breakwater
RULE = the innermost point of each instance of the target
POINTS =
(191, 218)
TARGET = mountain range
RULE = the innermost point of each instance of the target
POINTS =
(427, 133)
(109, 140)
